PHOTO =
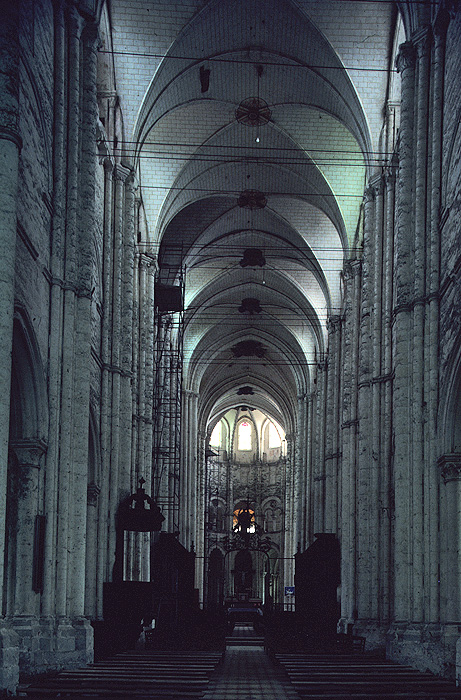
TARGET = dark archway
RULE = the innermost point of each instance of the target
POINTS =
(243, 574)
(215, 580)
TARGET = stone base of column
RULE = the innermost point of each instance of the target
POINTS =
(74, 643)
(345, 624)
(9, 658)
(427, 647)
(30, 645)
(458, 661)
(374, 633)
(27, 628)
(84, 640)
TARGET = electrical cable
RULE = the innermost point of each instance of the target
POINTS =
(215, 59)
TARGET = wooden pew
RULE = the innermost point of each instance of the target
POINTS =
(180, 675)
(361, 678)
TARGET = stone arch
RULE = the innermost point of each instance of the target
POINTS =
(273, 514)
(215, 581)
(28, 416)
(243, 454)
(217, 514)
(25, 512)
(243, 573)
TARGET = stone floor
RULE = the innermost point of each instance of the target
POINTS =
(248, 674)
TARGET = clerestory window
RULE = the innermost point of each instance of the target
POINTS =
(244, 435)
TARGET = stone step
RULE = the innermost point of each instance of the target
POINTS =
(244, 641)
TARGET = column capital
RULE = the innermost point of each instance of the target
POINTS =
(121, 173)
(131, 182)
(377, 183)
(334, 323)
(145, 261)
(29, 452)
(352, 268)
(389, 176)
(369, 194)
(406, 57)
(450, 467)
(190, 394)
(75, 21)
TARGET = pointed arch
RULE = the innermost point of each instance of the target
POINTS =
(29, 412)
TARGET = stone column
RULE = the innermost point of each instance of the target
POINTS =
(289, 546)
(301, 469)
(56, 311)
(86, 227)
(198, 501)
(175, 425)
(402, 335)
(450, 469)
(10, 144)
(320, 477)
(128, 242)
(92, 553)
(331, 425)
(70, 287)
(157, 412)
(149, 314)
(315, 469)
(118, 490)
(139, 361)
(309, 481)
(386, 503)
(137, 410)
(431, 349)
(364, 506)
(127, 469)
(416, 542)
(376, 399)
(350, 335)
(105, 552)
(306, 476)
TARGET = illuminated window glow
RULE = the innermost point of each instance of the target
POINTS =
(244, 435)
(215, 439)
(274, 437)
(236, 514)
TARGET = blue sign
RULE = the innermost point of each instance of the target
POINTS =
(289, 590)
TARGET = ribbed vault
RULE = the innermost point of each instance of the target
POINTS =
(304, 166)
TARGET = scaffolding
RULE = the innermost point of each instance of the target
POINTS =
(166, 457)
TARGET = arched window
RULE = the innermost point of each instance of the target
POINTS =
(274, 437)
(215, 439)
(244, 435)
(249, 520)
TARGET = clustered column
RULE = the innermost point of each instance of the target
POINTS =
(10, 145)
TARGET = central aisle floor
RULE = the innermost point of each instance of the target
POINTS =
(248, 674)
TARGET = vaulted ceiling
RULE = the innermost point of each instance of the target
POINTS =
(253, 126)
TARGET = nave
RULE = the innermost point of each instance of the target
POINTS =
(230, 339)
(246, 670)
